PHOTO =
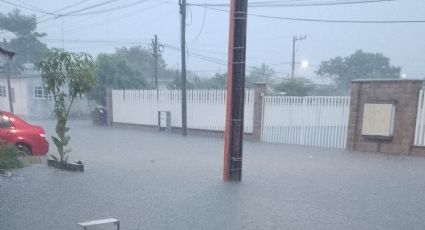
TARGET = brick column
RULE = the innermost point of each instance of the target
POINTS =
(353, 115)
(259, 91)
(404, 95)
(109, 106)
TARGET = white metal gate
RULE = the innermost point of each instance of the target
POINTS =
(313, 121)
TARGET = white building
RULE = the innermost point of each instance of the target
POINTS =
(30, 99)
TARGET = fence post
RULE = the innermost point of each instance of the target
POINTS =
(109, 106)
(259, 91)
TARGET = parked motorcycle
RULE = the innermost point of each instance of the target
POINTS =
(99, 116)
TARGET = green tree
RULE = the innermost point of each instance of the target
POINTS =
(219, 81)
(263, 73)
(141, 60)
(25, 44)
(360, 65)
(295, 87)
(176, 83)
(114, 72)
(66, 75)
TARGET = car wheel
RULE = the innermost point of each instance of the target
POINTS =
(23, 150)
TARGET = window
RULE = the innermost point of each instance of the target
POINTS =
(41, 93)
(5, 122)
(2, 91)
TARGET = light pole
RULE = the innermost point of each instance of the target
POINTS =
(294, 40)
(5, 58)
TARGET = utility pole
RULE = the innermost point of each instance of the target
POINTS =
(6, 57)
(294, 40)
(182, 4)
(157, 48)
(9, 88)
(155, 57)
(233, 138)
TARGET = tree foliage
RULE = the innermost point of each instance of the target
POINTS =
(66, 75)
(114, 72)
(141, 60)
(295, 87)
(25, 44)
(130, 68)
(360, 65)
(263, 73)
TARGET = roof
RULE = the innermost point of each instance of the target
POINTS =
(7, 52)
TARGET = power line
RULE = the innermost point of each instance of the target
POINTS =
(115, 19)
(110, 9)
(198, 55)
(66, 7)
(29, 8)
(279, 4)
(327, 20)
(99, 41)
(203, 24)
(77, 11)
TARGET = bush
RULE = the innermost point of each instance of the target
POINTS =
(9, 156)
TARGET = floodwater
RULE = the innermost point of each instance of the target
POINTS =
(151, 180)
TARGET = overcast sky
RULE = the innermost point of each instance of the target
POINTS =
(269, 40)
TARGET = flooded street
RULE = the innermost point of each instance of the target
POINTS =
(152, 180)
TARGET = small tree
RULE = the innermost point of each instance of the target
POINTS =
(66, 75)
(295, 87)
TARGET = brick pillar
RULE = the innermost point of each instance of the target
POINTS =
(353, 115)
(109, 106)
(259, 91)
(401, 93)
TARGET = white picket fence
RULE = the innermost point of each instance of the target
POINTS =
(206, 108)
(312, 121)
(420, 121)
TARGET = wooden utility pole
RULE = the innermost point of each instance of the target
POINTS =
(155, 56)
(183, 56)
(294, 40)
(9, 88)
(233, 142)
(6, 57)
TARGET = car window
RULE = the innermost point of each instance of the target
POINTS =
(5, 122)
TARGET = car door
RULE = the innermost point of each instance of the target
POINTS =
(7, 131)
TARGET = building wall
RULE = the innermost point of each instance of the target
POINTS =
(28, 106)
(21, 96)
(404, 94)
(38, 107)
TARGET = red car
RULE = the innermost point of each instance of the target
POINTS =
(30, 139)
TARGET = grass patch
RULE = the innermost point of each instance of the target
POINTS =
(9, 156)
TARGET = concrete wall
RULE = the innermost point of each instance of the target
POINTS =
(27, 106)
(404, 94)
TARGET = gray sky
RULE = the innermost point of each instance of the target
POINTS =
(269, 40)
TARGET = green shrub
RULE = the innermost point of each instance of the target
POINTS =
(9, 156)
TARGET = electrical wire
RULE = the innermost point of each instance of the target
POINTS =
(279, 4)
(66, 7)
(111, 9)
(77, 11)
(203, 24)
(327, 20)
(29, 8)
(115, 19)
(98, 41)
